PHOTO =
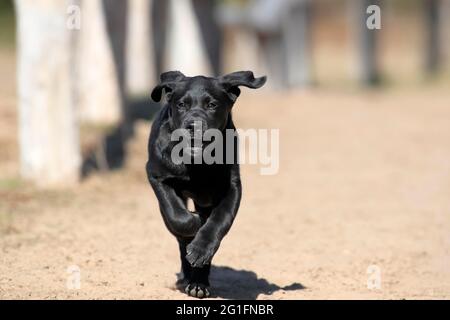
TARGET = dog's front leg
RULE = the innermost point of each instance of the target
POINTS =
(176, 216)
(207, 240)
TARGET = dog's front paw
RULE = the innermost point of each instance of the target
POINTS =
(200, 254)
(197, 290)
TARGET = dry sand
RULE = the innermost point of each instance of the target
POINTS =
(364, 181)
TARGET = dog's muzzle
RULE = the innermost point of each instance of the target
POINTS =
(195, 129)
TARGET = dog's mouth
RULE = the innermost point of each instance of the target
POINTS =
(193, 151)
(196, 147)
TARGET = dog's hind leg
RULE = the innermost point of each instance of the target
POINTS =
(194, 281)
(199, 285)
(186, 268)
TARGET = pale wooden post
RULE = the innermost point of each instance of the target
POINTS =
(98, 97)
(184, 46)
(367, 43)
(297, 42)
(48, 131)
(433, 38)
(140, 71)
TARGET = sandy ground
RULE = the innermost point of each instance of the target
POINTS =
(363, 186)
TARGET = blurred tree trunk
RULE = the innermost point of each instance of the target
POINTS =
(140, 54)
(210, 31)
(116, 12)
(48, 132)
(273, 53)
(445, 32)
(184, 47)
(242, 47)
(159, 22)
(98, 96)
(296, 27)
(433, 44)
(241, 50)
(367, 42)
(116, 25)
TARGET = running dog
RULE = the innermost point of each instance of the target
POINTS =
(214, 188)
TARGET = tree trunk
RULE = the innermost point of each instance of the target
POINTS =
(97, 89)
(159, 18)
(140, 54)
(116, 25)
(116, 12)
(241, 50)
(445, 32)
(184, 48)
(433, 44)
(297, 43)
(210, 31)
(48, 132)
(367, 42)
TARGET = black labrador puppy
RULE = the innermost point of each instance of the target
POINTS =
(214, 188)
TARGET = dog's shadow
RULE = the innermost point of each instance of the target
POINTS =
(229, 283)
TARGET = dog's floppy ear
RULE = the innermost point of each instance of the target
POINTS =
(232, 81)
(168, 80)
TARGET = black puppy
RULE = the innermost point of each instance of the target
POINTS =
(214, 188)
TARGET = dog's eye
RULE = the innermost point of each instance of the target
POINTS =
(181, 105)
(212, 105)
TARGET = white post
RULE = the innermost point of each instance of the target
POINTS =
(48, 131)
(185, 50)
(367, 43)
(97, 88)
(433, 47)
(297, 43)
(140, 71)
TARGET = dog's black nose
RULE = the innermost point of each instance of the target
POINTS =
(190, 126)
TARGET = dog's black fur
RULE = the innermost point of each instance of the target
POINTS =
(215, 189)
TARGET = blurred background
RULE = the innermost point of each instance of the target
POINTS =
(364, 119)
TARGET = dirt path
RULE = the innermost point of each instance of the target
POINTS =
(364, 181)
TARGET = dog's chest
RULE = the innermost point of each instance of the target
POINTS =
(204, 192)
(200, 197)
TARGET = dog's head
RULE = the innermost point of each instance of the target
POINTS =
(202, 99)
